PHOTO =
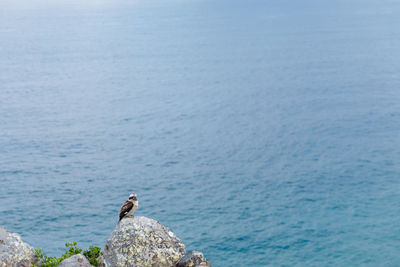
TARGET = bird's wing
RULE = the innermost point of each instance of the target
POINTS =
(125, 209)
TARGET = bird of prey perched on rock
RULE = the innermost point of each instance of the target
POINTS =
(129, 207)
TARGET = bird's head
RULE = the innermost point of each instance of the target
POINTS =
(132, 197)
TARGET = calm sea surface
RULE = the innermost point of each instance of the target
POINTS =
(264, 133)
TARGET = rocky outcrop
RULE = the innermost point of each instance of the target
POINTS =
(141, 241)
(75, 261)
(137, 241)
(13, 251)
(193, 259)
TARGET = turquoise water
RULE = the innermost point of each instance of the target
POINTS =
(264, 133)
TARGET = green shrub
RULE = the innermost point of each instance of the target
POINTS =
(92, 254)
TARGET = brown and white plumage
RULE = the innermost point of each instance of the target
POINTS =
(129, 207)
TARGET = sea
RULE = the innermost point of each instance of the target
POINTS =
(262, 132)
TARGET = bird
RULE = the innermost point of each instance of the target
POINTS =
(129, 207)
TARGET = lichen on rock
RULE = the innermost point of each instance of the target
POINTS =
(13, 251)
(193, 259)
(142, 241)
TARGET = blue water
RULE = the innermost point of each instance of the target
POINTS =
(264, 133)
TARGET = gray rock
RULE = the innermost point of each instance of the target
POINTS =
(193, 259)
(13, 251)
(75, 261)
(141, 241)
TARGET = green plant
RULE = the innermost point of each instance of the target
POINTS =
(92, 254)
